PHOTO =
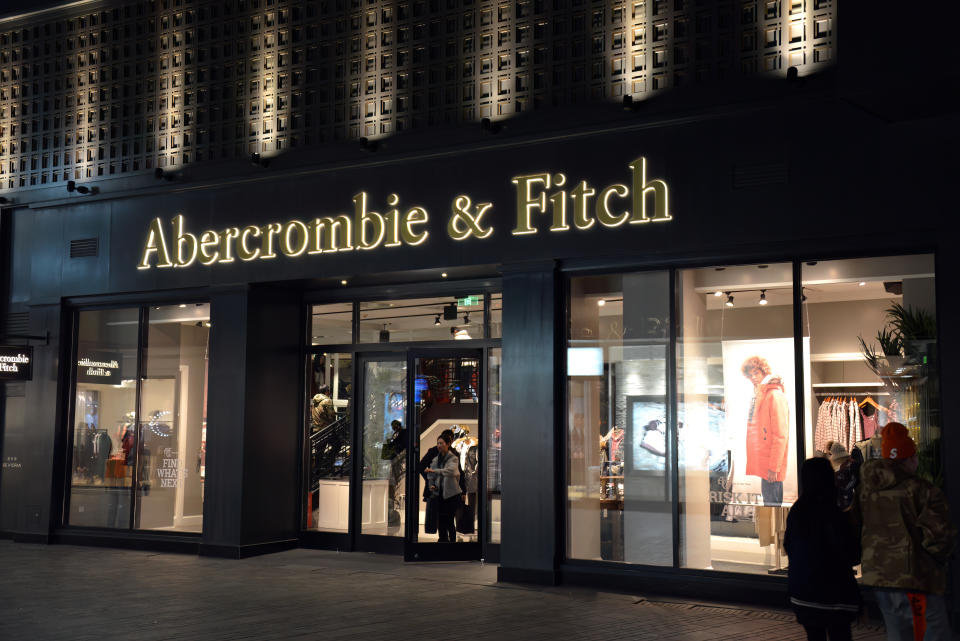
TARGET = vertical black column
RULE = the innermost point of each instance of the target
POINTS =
(529, 550)
(254, 426)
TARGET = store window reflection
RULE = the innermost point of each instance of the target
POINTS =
(737, 414)
(104, 418)
(173, 419)
(493, 428)
(328, 416)
(619, 475)
(140, 467)
(872, 328)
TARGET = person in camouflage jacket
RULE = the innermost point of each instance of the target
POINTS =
(906, 537)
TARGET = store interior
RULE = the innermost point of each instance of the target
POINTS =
(732, 516)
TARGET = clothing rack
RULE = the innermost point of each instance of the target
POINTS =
(841, 389)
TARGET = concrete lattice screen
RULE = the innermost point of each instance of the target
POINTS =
(97, 90)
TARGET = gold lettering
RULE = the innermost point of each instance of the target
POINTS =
(270, 231)
(244, 252)
(156, 244)
(330, 234)
(581, 202)
(414, 216)
(184, 259)
(641, 188)
(361, 217)
(209, 240)
(226, 253)
(393, 222)
(604, 215)
(526, 203)
(286, 244)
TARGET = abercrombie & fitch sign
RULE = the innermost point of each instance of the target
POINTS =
(544, 201)
(16, 363)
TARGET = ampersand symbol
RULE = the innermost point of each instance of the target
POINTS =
(464, 222)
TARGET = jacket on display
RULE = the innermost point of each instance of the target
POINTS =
(907, 536)
(768, 430)
(446, 475)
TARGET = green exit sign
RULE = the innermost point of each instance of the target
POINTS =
(468, 301)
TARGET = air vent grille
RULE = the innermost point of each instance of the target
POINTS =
(18, 323)
(84, 247)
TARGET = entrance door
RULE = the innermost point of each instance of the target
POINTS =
(446, 393)
(380, 508)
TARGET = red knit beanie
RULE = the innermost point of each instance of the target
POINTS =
(896, 443)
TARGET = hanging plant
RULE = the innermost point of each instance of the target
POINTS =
(912, 324)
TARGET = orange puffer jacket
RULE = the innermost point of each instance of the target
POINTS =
(768, 431)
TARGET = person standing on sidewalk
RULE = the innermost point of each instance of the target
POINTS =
(907, 538)
(821, 541)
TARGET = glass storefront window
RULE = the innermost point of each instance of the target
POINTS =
(422, 319)
(736, 387)
(493, 430)
(330, 442)
(619, 477)
(331, 324)
(140, 468)
(173, 419)
(871, 324)
(104, 425)
(496, 315)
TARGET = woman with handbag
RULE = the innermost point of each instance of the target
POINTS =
(443, 484)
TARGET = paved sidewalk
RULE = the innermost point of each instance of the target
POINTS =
(80, 593)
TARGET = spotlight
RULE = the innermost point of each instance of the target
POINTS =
(793, 74)
(199, 323)
(436, 321)
(490, 126)
(803, 295)
(71, 185)
(158, 173)
(182, 305)
(729, 302)
(384, 334)
(466, 318)
(369, 145)
(4, 200)
(629, 104)
(257, 160)
(718, 293)
(763, 297)
(343, 282)
(601, 302)
(208, 324)
(862, 283)
(443, 275)
(83, 189)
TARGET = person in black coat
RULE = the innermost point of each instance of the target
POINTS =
(823, 545)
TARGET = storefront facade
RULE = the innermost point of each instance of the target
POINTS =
(220, 364)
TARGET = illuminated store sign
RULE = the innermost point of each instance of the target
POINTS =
(99, 367)
(540, 198)
(16, 363)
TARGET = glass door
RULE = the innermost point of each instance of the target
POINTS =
(445, 451)
(383, 462)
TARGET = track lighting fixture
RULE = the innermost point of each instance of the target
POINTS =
(369, 145)
(718, 293)
(763, 297)
(601, 302)
(729, 302)
(81, 189)
(436, 321)
(466, 318)
(490, 126)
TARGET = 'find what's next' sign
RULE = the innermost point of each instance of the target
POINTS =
(16, 363)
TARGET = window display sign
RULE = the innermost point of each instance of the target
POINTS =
(16, 363)
(758, 380)
(99, 367)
